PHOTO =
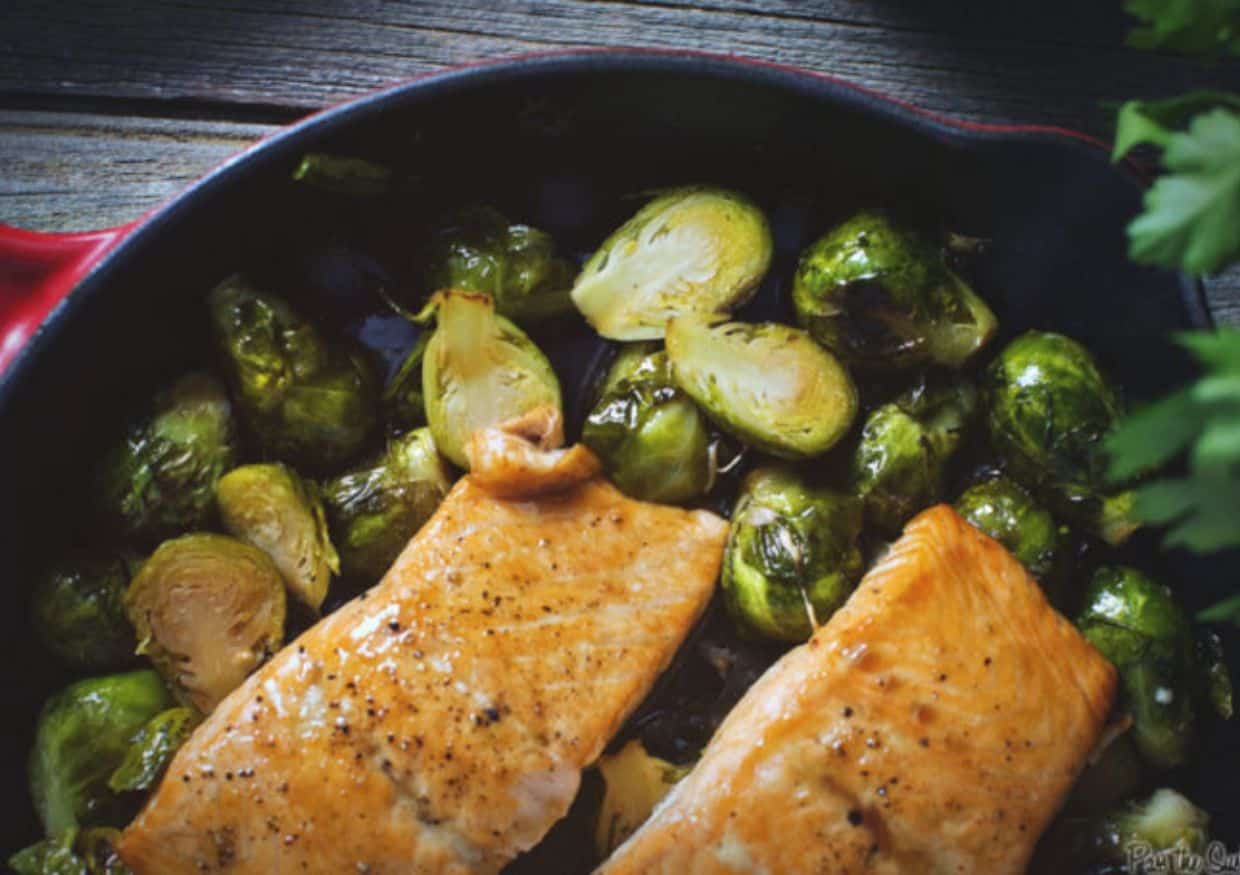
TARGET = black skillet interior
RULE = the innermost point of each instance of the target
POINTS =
(566, 143)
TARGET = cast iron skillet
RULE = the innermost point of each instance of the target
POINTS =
(562, 141)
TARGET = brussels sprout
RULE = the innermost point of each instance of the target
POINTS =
(270, 507)
(882, 298)
(898, 467)
(1140, 832)
(1002, 509)
(1136, 624)
(160, 481)
(479, 370)
(151, 749)
(90, 852)
(768, 384)
(653, 441)
(403, 401)
(479, 250)
(633, 361)
(690, 250)
(634, 783)
(792, 556)
(1049, 409)
(208, 609)
(83, 733)
(79, 613)
(376, 509)
(306, 401)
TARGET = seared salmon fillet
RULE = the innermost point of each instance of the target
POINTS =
(933, 725)
(440, 721)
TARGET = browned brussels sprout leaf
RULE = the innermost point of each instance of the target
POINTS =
(151, 750)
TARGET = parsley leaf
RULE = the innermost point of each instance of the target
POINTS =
(1192, 213)
(1202, 508)
(1153, 122)
(1226, 611)
(1193, 27)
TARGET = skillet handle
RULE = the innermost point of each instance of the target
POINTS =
(37, 270)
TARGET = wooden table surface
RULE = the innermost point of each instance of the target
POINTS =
(109, 107)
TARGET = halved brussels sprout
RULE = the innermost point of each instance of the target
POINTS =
(79, 612)
(882, 298)
(792, 556)
(84, 732)
(208, 610)
(1049, 410)
(151, 749)
(375, 510)
(160, 481)
(634, 783)
(690, 250)
(479, 250)
(1136, 623)
(899, 465)
(306, 401)
(479, 370)
(1002, 509)
(654, 442)
(270, 507)
(770, 385)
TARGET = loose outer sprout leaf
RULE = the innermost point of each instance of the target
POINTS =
(1191, 218)
(355, 176)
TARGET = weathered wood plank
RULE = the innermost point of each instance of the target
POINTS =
(76, 172)
(67, 172)
(305, 53)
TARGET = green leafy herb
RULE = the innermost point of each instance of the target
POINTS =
(1226, 611)
(1152, 122)
(1207, 28)
(1192, 213)
(1203, 506)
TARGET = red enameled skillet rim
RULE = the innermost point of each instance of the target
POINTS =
(43, 276)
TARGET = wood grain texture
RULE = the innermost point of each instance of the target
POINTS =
(67, 171)
(1050, 62)
(970, 63)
